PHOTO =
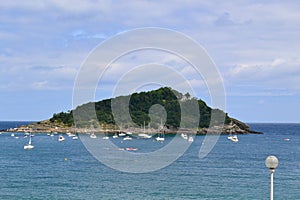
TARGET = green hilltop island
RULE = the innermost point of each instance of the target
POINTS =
(153, 111)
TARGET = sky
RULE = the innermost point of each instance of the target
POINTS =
(254, 44)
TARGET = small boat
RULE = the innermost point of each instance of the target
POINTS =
(127, 138)
(105, 138)
(12, 135)
(191, 139)
(234, 138)
(184, 136)
(144, 135)
(229, 137)
(61, 138)
(115, 136)
(160, 139)
(29, 145)
(122, 134)
(93, 136)
(75, 137)
(131, 149)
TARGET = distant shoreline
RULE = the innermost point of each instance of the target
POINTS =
(35, 128)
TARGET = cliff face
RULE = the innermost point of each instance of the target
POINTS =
(139, 106)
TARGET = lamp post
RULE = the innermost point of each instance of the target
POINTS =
(271, 163)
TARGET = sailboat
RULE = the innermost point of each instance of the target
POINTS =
(144, 134)
(191, 139)
(92, 135)
(105, 137)
(29, 145)
(160, 137)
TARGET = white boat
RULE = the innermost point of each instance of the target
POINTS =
(127, 138)
(160, 139)
(61, 138)
(105, 138)
(12, 135)
(191, 139)
(115, 136)
(29, 145)
(71, 134)
(184, 136)
(234, 138)
(93, 136)
(122, 134)
(144, 135)
(75, 137)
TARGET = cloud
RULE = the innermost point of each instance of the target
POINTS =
(257, 39)
(279, 77)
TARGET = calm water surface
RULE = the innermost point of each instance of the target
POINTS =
(54, 170)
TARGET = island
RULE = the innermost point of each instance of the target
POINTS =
(139, 107)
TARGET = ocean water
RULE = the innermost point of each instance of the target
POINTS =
(66, 170)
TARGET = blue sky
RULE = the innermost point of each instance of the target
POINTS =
(255, 45)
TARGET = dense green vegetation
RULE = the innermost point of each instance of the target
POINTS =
(150, 107)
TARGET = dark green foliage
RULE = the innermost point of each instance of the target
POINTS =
(62, 117)
(140, 105)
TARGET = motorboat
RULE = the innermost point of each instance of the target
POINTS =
(122, 134)
(184, 136)
(75, 137)
(144, 135)
(61, 138)
(127, 138)
(234, 138)
(160, 139)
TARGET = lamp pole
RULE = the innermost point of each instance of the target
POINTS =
(271, 163)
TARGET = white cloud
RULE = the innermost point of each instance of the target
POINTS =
(244, 34)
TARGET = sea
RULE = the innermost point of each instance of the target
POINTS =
(66, 170)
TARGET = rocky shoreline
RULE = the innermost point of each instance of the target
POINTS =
(236, 127)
